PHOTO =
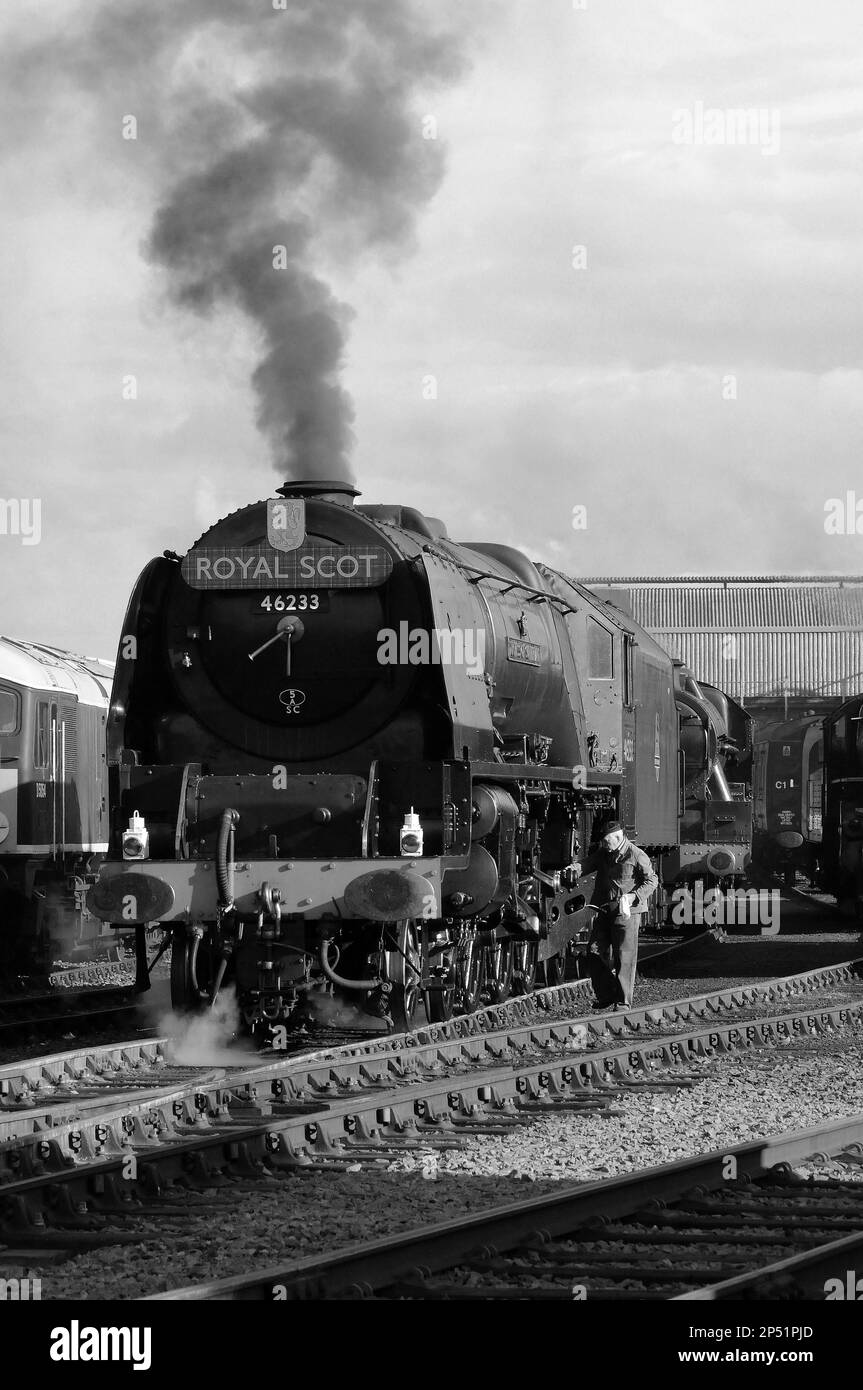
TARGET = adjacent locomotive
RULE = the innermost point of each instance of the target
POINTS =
(788, 774)
(842, 843)
(715, 782)
(347, 752)
(53, 800)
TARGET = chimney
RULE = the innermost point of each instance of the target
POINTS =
(323, 490)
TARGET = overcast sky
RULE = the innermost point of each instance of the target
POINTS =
(692, 376)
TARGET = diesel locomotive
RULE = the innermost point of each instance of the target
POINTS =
(53, 801)
(349, 754)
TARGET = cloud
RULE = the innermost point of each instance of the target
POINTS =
(262, 127)
(554, 385)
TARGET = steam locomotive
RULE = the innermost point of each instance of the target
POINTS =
(53, 801)
(349, 754)
(716, 740)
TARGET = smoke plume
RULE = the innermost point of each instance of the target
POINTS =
(343, 145)
(273, 129)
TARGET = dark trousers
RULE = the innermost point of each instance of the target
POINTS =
(615, 941)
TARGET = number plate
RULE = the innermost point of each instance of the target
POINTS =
(309, 602)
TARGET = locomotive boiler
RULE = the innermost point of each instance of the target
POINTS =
(347, 753)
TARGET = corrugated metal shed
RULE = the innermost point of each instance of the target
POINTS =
(751, 635)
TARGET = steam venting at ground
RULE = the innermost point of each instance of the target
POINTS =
(207, 1039)
(279, 133)
(338, 1011)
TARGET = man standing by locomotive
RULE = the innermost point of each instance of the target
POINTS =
(625, 883)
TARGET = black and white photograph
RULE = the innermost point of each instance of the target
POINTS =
(431, 681)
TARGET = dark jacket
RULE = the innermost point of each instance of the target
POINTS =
(624, 870)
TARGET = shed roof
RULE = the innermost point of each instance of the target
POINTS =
(742, 604)
(753, 635)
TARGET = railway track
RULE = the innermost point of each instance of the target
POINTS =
(731, 1224)
(69, 995)
(101, 1137)
(49, 1012)
(521, 1039)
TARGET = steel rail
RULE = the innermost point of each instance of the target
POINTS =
(33, 1078)
(226, 1127)
(800, 1276)
(61, 1009)
(314, 1082)
(405, 1262)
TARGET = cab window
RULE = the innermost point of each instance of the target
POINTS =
(628, 672)
(600, 652)
(41, 736)
(10, 711)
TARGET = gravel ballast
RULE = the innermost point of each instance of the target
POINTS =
(738, 1099)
